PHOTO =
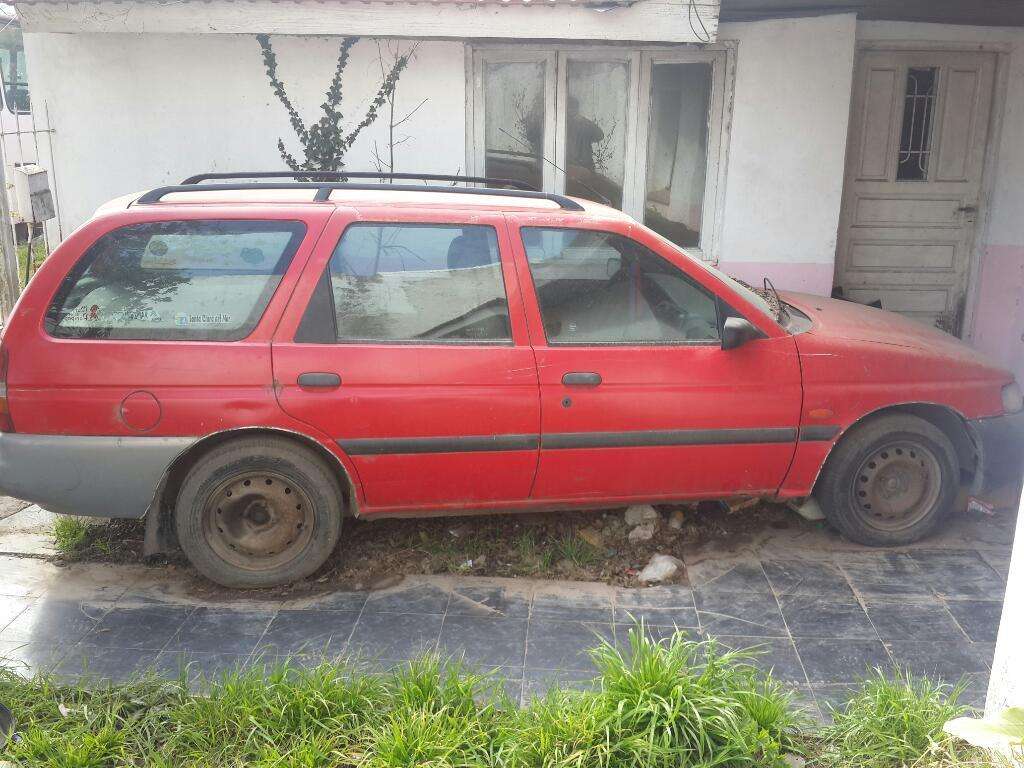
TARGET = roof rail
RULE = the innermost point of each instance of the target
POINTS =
(324, 189)
(343, 176)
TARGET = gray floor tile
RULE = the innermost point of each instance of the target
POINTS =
(497, 602)
(105, 664)
(395, 635)
(664, 617)
(841, 660)
(568, 605)
(738, 613)
(810, 616)
(999, 561)
(340, 600)
(50, 621)
(917, 619)
(563, 645)
(538, 683)
(484, 642)
(945, 661)
(220, 630)
(745, 576)
(878, 574)
(978, 618)
(416, 598)
(958, 574)
(770, 654)
(27, 658)
(804, 702)
(668, 596)
(147, 627)
(806, 577)
(323, 633)
(11, 607)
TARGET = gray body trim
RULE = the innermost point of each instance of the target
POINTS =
(459, 444)
(563, 440)
(85, 475)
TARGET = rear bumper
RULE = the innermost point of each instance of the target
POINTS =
(82, 475)
(1000, 445)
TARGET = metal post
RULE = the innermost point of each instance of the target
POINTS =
(9, 286)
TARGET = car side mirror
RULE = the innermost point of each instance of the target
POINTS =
(737, 331)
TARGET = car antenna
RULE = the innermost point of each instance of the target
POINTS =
(601, 198)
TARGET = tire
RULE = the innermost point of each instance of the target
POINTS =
(889, 481)
(258, 512)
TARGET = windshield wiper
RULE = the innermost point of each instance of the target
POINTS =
(783, 313)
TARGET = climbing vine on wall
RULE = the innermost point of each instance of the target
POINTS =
(325, 142)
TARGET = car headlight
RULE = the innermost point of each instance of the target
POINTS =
(1013, 401)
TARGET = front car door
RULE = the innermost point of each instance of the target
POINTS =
(638, 399)
(406, 343)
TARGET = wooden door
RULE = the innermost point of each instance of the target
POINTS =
(918, 129)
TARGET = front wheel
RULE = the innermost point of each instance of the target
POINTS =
(258, 512)
(889, 481)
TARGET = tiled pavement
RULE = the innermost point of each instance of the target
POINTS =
(822, 619)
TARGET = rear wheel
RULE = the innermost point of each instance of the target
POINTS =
(890, 481)
(258, 512)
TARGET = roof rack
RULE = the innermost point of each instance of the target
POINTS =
(325, 187)
(344, 176)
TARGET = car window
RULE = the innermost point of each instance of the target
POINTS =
(192, 280)
(603, 288)
(414, 283)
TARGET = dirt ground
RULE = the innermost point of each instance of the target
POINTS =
(582, 546)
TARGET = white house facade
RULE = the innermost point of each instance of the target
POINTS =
(822, 150)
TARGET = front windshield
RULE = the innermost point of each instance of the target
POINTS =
(777, 314)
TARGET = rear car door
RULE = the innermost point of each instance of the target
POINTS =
(639, 400)
(406, 342)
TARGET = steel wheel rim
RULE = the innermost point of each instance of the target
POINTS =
(897, 485)
(258, 520)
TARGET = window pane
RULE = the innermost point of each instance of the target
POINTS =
(602, 288)
(595, 131)
(514, 121)
(405, 282)
(198, 280)
(677, 151)
(916, 131)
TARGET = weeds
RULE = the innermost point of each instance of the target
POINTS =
(675, 702)
(896, 721)
(577, 551)
(68, 534)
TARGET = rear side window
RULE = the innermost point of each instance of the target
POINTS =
(189, 280)
(412, 283)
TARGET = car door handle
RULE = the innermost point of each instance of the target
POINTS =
(581, 379)
(317, 380)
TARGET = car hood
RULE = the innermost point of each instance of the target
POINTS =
(847, 320)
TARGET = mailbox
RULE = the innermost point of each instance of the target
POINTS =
(32, 193)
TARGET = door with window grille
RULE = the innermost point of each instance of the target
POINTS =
(918, 128)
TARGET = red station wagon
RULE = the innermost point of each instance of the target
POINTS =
(246, 364)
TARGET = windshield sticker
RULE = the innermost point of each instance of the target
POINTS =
(184, 319)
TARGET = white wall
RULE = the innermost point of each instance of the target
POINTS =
(133, 112)
(784, 184)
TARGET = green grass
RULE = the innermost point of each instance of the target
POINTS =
(895, 721)
(38, 257)
(69, 534)
(577, 551)
(675, 703)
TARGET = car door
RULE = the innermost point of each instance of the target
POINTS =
(406, 343)
(638, 398)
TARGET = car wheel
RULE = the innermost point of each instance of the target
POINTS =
(258, 512)
(889, 481)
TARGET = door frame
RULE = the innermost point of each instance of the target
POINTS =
(992, 141)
